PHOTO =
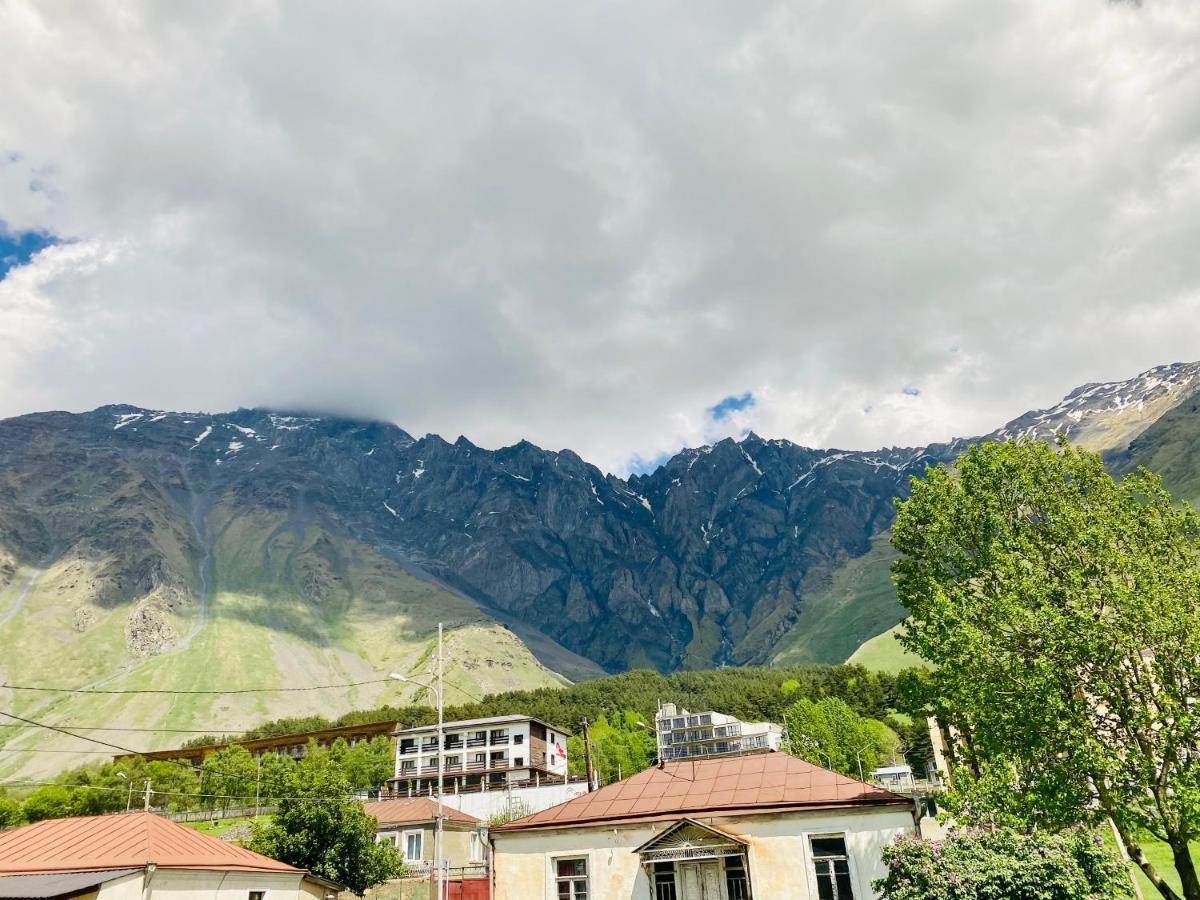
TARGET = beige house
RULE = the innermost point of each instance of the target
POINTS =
(410, 823)
(140, 856)
(761, 827)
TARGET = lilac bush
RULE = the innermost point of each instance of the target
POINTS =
(1003, 864)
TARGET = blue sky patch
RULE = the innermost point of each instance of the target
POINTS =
(912, 391)
(17, 247)
(729, 405)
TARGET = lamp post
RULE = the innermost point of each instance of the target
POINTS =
(129, 795)
(437, 692)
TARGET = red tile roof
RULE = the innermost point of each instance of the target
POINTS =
(122, 841)
(745, 784)
(410, 811)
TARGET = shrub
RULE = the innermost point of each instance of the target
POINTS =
(1003, 864)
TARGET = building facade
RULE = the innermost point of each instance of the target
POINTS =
(756, 827)
(478, 754)
(409, 825)
(684, 735)
(293, 745)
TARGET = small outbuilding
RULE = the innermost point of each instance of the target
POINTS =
(140, 856)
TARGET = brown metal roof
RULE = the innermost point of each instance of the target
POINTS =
(411, 811)
(769, 782)
(122, 841)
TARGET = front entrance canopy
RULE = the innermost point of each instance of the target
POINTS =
(687, 841)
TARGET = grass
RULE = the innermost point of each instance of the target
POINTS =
(844, 609)
(224, 826)
(291, 607)
(883, 653)
(1161, 858)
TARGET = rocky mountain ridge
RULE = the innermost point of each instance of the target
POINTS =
(705, 561)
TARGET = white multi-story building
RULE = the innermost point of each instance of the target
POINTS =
(479, 753)
(685, 735)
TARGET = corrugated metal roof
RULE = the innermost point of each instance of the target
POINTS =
(22, 887)
(410, 811)
(125, 840)
(746, 784)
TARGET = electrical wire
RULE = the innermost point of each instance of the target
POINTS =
(275, 690)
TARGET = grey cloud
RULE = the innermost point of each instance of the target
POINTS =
(584, 224)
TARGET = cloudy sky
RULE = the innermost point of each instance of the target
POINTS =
(620, 227)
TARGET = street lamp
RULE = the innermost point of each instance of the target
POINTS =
(437, 692)
(129, 796)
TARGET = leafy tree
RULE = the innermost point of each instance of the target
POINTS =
(49, 802)
(1061, 611)
(1002, 864)
(368, 764)
(829, 733)
(619, 749)
(276, 774)
(229, 777)
(322, 829)
(10, 811)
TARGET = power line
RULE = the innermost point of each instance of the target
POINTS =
(267, 800)
(213, 731)
(276, 690)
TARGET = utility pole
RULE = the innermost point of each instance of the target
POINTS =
(437, 842)
(587, 756)
(146, 805)
(257, 784)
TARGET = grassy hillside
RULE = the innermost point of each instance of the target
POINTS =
(286, 605)
(844, 610)
(883, 653)
(1170, 447)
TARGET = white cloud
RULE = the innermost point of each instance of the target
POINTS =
(585, 225)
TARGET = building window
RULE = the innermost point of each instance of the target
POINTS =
(571, 879)
(519, 761)
(257, 895)
(737, 886)
(390, 838)
(518, 738)
(414, 845)
(832, 865)
(664, 881)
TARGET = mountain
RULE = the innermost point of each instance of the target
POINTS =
(142, 548)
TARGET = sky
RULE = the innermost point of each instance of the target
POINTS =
(621, 227)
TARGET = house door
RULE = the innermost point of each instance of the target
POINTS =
(700, 881)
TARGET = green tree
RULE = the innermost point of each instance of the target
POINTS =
(229, 777)
(49, 802)
(369, 764)
(11, 814)
(619, 749)
(829, 733)
(1061, 611)
(1001, 863)
(276, 775)
(322, 829)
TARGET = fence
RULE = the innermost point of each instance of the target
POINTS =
(232, 812)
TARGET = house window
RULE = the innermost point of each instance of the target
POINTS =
(257, 895)
(832, 866)
(414, 845)
(519, 761)
(392, 839)
(737, 886)
(571, 879)
(664, 881)
(518, 738)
